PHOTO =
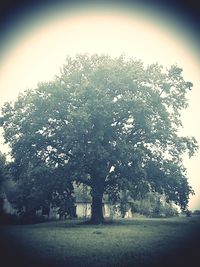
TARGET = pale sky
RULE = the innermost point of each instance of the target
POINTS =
(36, 50)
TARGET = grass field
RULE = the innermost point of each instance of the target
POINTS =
(137, 242)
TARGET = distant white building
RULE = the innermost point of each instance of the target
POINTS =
(83, 203)
(83, 210)
(7, 206)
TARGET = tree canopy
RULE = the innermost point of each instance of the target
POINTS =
(110, 123)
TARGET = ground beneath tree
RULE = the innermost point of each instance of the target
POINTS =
(136, 242)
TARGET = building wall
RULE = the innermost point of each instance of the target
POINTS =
(7, 207)
(83, 210)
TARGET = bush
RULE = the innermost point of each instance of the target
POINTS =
(196, 212)
(9, 219)
(154, 205)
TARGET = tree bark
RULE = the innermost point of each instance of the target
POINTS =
(97, 197)
(97, 209)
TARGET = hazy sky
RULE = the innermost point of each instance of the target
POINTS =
(34, 51)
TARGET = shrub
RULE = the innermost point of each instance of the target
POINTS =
(9, 219)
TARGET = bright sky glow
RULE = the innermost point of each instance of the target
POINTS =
(39, 49)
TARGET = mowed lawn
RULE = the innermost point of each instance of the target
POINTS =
(136, 242)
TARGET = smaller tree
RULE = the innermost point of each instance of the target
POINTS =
(39, 188)
(196, 212)
(3, 175)
(154, 205)
(66, 204)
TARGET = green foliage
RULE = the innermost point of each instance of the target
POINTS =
(108, 123)
(39, 188)
(12, 219)
(3, 176)
(196, 212)
(154, 205)
(188, 213)
(2, 168)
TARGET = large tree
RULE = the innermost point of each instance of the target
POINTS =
(110, 123)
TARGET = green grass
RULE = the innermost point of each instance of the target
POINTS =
(137, 242)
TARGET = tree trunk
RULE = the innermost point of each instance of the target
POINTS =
(97, 197)
(97, 211)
